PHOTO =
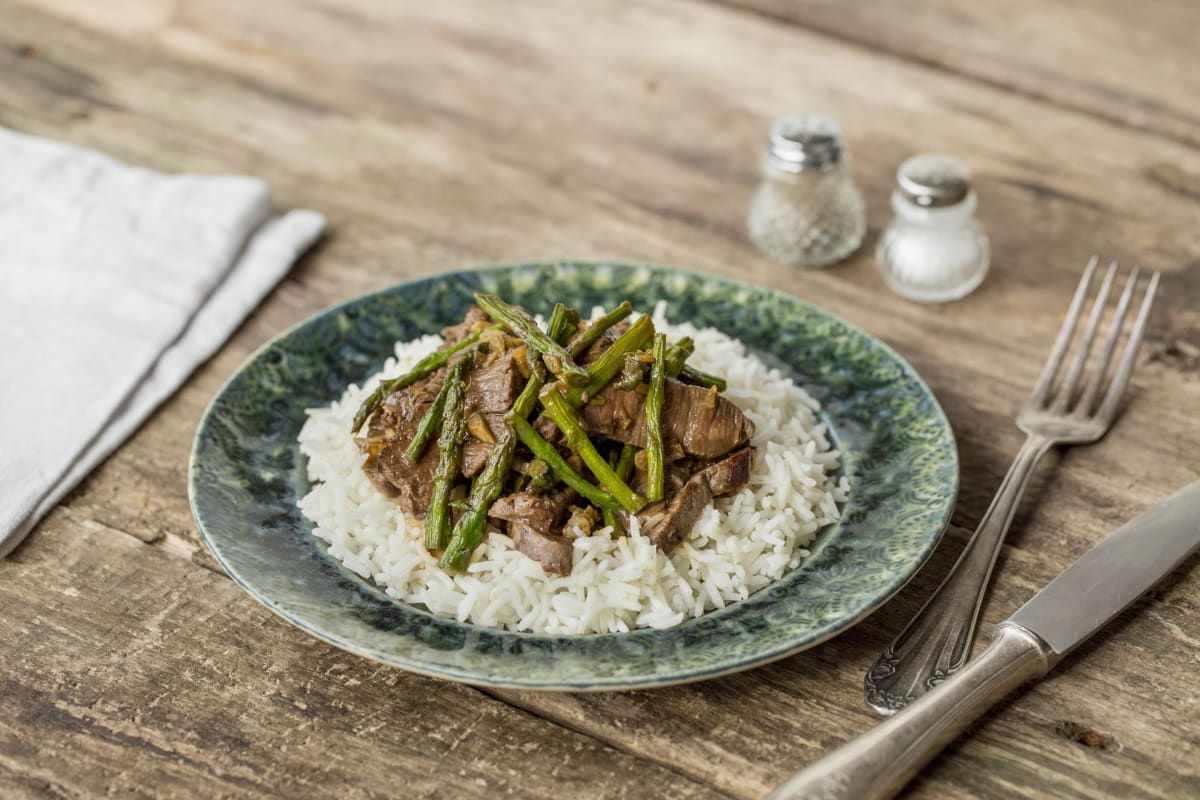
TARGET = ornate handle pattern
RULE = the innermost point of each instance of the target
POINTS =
(879, 763)
(937, 641)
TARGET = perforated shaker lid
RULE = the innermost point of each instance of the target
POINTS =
(934, 180)
(802, 142)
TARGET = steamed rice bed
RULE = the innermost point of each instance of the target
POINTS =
(739, 545)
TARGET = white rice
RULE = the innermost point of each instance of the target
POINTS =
(747, 541)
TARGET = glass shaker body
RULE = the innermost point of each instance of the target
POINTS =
(933, 255)
(806, 212)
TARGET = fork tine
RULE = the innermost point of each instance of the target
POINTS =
(1054, 360)
(1121, 376)
(1063, 397)
(1110, 344)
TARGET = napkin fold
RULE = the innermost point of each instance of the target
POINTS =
(115, 283)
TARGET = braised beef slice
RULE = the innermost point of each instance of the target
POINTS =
(389, 431)
(547, 429)
(371, 466)
(414, 482)
(704, 423)
(492, 387)
(531, 519)
(542, 511)
(553, 552)
(456, 333)
(668, 523)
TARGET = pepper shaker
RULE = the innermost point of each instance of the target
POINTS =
(806, 211)
(934, 251)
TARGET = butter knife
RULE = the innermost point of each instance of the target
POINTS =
(1073, 606)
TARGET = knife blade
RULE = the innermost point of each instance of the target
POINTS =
(1073, 606)
(1114, 573)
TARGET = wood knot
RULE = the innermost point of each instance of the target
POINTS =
(1084, 735)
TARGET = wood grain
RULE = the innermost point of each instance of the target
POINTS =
(1106, 58)
(437, 135)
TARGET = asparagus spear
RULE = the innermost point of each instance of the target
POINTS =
(605, 368)
(437, 519)
(596, 328)
(430, 422)
(424, 368)
(654, 437)
(678, 354)
(556, 357)
(559, 409)
(690, 374)
(625, 462)
(546, 452)
(609, 515)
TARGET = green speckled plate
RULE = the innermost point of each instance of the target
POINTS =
(899, 454)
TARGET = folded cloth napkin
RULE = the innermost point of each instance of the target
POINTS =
(115, 283)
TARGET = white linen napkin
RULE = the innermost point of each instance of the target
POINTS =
(115, 283)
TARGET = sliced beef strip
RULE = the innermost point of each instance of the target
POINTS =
(531, 519)
(493, 387)
(552, 551)
(668, 523)
(491, 391)
(542, 511)
(704, 423)
(456, 333)
(547, 429)
(371, 466)
(389, 431)
(414, 482)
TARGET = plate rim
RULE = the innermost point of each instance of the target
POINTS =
(473, 677)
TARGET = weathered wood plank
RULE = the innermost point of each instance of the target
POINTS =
(127, 671)
(1122, 62)
(452, 134)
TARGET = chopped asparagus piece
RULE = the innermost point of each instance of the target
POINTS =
(555, 356)
(558, 465)
(605, 368)
(654, 438)
(559, 410)
(437, 532)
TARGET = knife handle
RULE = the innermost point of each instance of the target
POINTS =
(879, 763)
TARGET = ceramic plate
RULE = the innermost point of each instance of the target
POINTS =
(899, 455)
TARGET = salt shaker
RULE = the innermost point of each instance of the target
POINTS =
(934, 250)
(806, 211)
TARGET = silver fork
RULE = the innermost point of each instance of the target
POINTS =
(938, 640)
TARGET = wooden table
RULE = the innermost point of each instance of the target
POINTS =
(436, 135)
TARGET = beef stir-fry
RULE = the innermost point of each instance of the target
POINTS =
(552, 434)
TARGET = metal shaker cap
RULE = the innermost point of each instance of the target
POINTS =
(933, 180)
(802, 142)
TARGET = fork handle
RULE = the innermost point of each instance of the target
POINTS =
(938, 639)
